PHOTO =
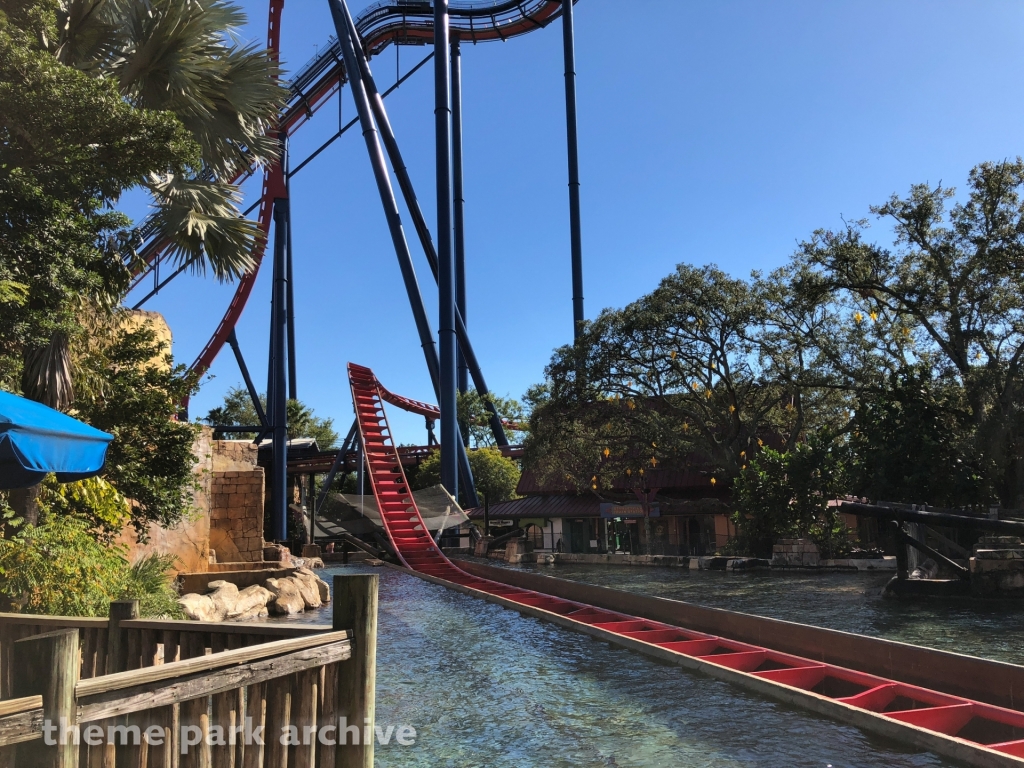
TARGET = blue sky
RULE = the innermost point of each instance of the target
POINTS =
(720, 132)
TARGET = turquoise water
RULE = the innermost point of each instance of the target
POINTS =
(485, 686)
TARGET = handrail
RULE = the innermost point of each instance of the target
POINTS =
(82, 622)
(20, 706)
(134, 677)
(291, 629)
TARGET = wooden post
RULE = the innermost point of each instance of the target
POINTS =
(117, 661)
(304, 706)
(117, 638)
(355, 609)
(48, 665)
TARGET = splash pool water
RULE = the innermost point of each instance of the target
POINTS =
(485, 686)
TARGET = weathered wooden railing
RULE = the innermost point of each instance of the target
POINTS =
(130, 693)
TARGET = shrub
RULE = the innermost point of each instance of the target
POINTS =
(59, 567)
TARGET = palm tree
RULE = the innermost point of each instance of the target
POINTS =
(184, 57)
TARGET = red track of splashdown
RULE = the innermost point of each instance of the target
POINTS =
(983, 733)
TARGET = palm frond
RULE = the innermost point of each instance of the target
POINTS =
(202, 221)
(90, 35)
(47, 374)
(179, 55)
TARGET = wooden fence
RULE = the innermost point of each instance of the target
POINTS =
(125, 692)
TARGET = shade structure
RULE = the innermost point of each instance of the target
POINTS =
(36, 440)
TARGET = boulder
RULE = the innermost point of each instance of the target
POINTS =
(321, 586)
(224, 595)
(307, 588)
(225, 602)
(287, 598)
(199, 607)
(250, 603)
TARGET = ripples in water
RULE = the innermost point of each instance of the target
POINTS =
(485, 686)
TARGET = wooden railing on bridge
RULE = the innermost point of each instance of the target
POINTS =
(195, 694)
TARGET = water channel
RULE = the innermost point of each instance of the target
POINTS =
(484, 686)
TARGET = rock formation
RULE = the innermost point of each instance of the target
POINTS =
(285, 596)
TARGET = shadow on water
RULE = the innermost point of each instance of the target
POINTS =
(484, 686)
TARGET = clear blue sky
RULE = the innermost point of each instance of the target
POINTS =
(718, 132)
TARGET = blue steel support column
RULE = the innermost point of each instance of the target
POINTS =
(277, 399)
(574, 168)
(387, 195)
(458, 210)
(342, 23)
(292, 383)
(445, 261)
(387, 135)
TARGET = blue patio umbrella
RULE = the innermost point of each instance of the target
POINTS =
(36, 440)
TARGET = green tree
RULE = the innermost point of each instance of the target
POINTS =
(98, 97)
(238, 410)
(494, 475)
(69, 145)
(787, 493)
(184, 59)
(948, 296)
(475, 417)
(684, 369)
(912, 441)
(136, 396)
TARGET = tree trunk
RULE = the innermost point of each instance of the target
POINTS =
(648, 534)
(25, 503)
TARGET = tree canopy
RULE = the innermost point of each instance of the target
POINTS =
(901, 362)
(238, 410)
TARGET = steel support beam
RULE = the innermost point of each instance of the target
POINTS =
(292, 383)
(233, 341)
(422, 230)
(445, 258)
(572, 146)
(339, 460)
(277, 402)
(459, 205)
(339, 11)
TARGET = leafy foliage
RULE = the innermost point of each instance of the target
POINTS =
(495, 476)
(475, 416)
(913, 440)
(238, 410)
(786, 494)
(94, 500)
(69, 144)
(183, 59)
(60, 568)
(150, 460)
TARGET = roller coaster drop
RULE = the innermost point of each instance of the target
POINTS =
(346, 59)
(962, 728)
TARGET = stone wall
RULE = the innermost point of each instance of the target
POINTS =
(796, 552)
(236, 510)
(227, 511)
(189, 540)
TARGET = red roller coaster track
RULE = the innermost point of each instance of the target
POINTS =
(951, 725)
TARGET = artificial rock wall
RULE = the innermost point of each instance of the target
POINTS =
(236, 508)
(227, 511)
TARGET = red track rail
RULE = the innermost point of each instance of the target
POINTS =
(983, 726)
